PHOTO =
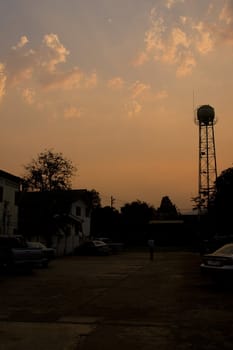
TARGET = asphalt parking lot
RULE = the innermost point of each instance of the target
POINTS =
(122, 301)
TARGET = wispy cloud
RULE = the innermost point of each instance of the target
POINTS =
(22, 42)
(162, 94)
(36, 70)
(133, 108)
(176, 39)
(187, 63)
(2, 80)
(28, 96)
(138, 88)
(226, 14)
(67, 80)
(91, 80)
(72, 112)
(54, 52)
(137, 92)
(205, 40)
(116, 83)
(171, 3)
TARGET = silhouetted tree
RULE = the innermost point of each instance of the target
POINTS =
(167, 209)
(221, 207)
(95, 199)
(135, 218)
(105, 222)
(50, 171)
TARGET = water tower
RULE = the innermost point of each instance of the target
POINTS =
(205, 119)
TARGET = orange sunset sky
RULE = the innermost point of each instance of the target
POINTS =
(113, 84)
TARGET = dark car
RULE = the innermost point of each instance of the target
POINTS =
(16, 254)
(115, 247)
(219, 264)
(94, 247)
(48, 253)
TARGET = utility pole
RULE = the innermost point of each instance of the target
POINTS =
(112, 201)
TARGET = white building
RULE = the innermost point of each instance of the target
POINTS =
(78, 226)
(9, 189)
(61, 219)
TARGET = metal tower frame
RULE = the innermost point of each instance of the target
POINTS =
(207, 162)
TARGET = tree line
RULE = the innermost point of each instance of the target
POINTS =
(51, 171)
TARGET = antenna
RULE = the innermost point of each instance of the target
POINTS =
(194, 104)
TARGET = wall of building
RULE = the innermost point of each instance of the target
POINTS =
(80, 210)
(8, 206)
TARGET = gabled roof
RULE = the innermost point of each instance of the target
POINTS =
(9, 176)
(67, 197)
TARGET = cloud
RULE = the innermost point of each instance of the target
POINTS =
(177, 40)
(63, 80)
(183, 20)
(22, 42)
(204, 42)
(141, 59)
(133, 108)
(161, 95)
(177, 47)
(171, 3)
(91, 80)
(28, 96)
(137, 92)
(3, 79)
(42, 69)
(20, 76)
(74, 79)
(55, 52)
(186, 65)
(20, 63)
(138, 88)
(72, 113)
(116, 83)
(226, 14)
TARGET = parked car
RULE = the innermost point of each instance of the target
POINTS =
(94, 247)
(15, 253)
(49, 253)
(115, 247)
(219, 264)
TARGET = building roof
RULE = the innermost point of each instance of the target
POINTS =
(165, 222)
(9, 176)
(66, 197)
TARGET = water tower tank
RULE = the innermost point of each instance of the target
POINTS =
(205, 114)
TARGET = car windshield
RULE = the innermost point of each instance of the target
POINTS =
(35, 245)
(226, 249)
(98, 243)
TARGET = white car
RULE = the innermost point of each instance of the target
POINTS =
(48, 253)
(219, 263)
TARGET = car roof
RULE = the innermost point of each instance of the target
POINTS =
(98, 242)
(225, 249)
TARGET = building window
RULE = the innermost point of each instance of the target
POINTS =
(78, 211)
(87, 212)
(1, 193)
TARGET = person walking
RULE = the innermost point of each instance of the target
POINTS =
(151, 245)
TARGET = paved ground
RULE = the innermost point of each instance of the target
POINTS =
(117, 302)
